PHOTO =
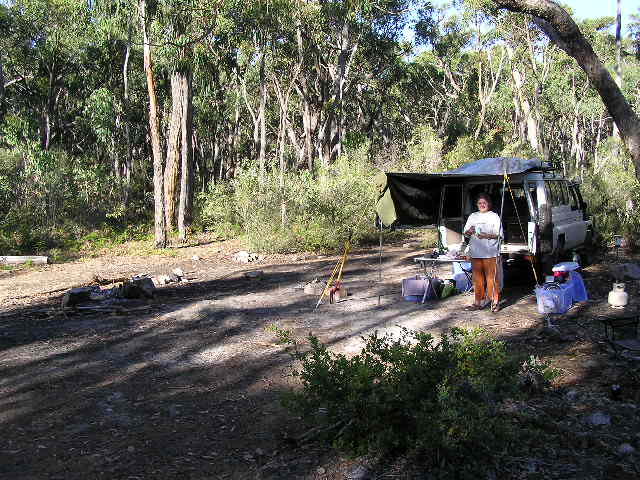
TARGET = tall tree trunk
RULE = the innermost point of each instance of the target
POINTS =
(527, 122)
(262, 121)
(331, 134)
(172, 167)
(303, 92)
(283, 99)
(232, 140)
(127, 127)
(47, 110)
(487, 86)
(307, 123)
(185, 213)
(563, 31)
(616, 133)
(2, 108)
(160, 231)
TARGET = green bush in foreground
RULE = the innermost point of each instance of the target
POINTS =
(410, 394)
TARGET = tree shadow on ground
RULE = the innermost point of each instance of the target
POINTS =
(190, 387)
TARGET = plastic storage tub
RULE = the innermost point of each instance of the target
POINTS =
(554, 298)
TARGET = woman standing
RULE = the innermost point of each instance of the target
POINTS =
(485, 231)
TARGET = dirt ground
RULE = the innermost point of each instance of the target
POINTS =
(187, 385)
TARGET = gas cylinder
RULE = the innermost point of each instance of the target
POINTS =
(618, 298)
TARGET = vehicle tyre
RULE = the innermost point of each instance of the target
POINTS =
(551, 259)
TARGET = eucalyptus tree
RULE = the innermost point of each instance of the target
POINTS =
(4, 29)
(530, 63)
(258, 31)
(160, 226)
(41, 45)
(179, 28)
(331, 36)
(447, 68)
(563, 31)
(634, 30)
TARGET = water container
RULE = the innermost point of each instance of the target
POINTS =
(462, 276)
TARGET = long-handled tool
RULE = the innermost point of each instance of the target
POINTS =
(338, 269)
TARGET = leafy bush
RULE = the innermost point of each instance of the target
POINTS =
(214, 211)
(535, 375)
(519, 149)
(49, 199)
(298, 211)
(410, 393)
(423, 153)
(469, 149)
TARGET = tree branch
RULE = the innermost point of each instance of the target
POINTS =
(558, 25)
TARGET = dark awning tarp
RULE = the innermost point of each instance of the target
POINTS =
(409, 198)
(413, 199)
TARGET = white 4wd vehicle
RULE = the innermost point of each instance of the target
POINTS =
(543, 214)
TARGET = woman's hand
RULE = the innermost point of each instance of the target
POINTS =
(487, 236)
(471, 231)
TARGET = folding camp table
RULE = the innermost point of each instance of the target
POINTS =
(428, 264)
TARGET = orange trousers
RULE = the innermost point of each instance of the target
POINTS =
(485, 280)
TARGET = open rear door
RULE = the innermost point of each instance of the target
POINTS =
(451, 214)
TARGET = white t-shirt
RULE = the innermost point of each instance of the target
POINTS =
(488, 222)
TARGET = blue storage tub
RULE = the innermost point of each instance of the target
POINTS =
(463, 280)
(554, 298)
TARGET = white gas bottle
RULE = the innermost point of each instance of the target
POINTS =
(618, 298)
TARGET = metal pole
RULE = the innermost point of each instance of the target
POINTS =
(380, 263)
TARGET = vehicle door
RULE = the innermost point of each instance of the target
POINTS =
(451, 214)
(569, 228)
(581, 222)
(535, 193)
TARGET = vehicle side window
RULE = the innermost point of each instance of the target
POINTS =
(573, 199)
(554, 193)
(566, 198)
(533, 194)
(558, 193)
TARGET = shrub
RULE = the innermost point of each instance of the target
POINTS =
(612, 193)
(305, 212)
(215, 212)
(519, 149)
(423, 153)
(48, 199)
(409, 393)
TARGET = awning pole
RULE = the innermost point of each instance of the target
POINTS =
(380, 263)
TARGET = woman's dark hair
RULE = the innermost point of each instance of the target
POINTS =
(486, 197)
